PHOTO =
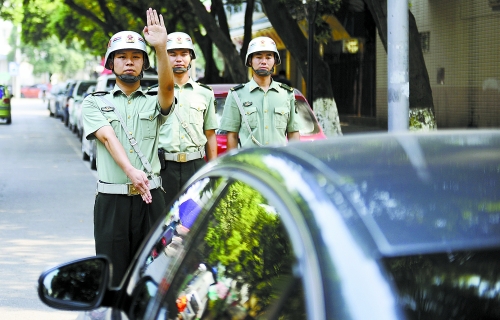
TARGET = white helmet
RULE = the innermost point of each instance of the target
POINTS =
(262, 44)
(126, 40)
(180, 40)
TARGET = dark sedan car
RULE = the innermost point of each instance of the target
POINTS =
(380, 226)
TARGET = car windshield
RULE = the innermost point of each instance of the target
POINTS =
(307, 123)
(82, 88)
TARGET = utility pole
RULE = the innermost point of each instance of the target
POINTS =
(398, 65)
(310, 8)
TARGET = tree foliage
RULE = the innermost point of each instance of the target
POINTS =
(249, 240)
(57, 58)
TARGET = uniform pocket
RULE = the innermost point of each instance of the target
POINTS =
(281, 115)
(148, 124)
(252, 117)
(196, 113)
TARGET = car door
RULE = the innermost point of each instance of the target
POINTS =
(222, 252)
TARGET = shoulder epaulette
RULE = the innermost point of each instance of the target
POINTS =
(286, 87)
(238, 87)
(100, 93)
(204, 86)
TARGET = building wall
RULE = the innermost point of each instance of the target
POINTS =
(464, 43)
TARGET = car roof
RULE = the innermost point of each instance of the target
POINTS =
(412, 192)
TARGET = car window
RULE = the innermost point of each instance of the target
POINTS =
(165, 245)
(218, 113)
(454, 285)
(82, 88)
(226, 261)
(238, 263)
(110, 84)
(307, 123)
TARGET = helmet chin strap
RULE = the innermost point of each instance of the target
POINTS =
(181, 70)
(263, 73)
(128, 78)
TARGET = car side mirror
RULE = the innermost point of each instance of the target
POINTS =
(77, 285)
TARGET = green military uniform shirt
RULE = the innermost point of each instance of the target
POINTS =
(141, 114)
(196, 106)
(270, 114)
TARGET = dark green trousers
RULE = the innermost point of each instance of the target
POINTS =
(175, 175)
(121, 223)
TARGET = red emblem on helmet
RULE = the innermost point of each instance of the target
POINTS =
(130, 38)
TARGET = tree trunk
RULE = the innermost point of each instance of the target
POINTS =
(421, 102)
(211, 70)
(247, 33)
(324, 105)
(236, 70)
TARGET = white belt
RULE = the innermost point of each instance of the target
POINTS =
(126, 188)
(184, 156)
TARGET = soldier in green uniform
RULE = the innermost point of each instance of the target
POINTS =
(260, 112)
(126, 123)
(189, 134)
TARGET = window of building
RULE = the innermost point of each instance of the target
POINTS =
(425, 39)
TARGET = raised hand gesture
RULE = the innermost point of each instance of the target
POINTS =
(155, 32)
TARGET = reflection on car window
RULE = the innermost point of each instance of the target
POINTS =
(238, 264)
(167, 243)
(458, 285)
(306, 118)
(218, 113)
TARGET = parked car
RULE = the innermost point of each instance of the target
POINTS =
(89, 150)
(5, 108)
(74, 102)
(78, 111)
(63, 100)
(34, 91)
(311, 130)
(53, 100)
(365, 226)
(107, 82)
